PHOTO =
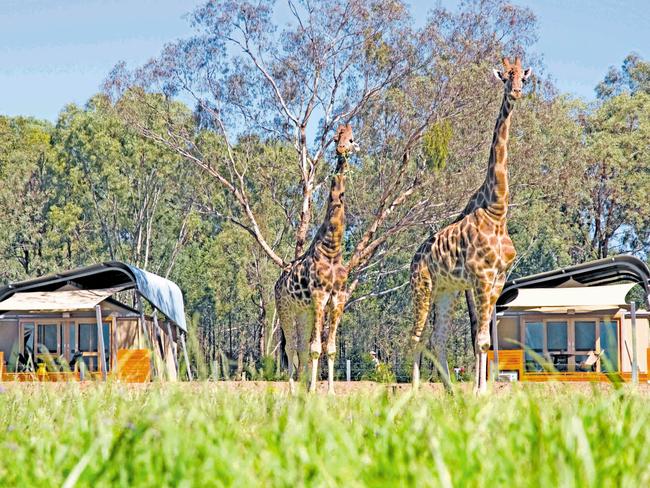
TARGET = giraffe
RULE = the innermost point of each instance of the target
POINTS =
(313, 286)
(473, 253)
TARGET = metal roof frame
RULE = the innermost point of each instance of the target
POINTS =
(622, 268)
(161, 293)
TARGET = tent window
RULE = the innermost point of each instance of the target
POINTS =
(609, 344)
(585, 335)
(88, 337)
(28, 338)
(557, 336)
(48, 339)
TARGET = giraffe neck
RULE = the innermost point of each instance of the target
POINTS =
(496, 181)
(329, 240)
(493, 193)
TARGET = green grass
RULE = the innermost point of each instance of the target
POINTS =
(175, 435)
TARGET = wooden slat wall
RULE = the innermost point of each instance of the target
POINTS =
(513, 360)
(509, 360)
(134, 365)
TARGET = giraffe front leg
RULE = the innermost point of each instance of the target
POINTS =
(337, 305)
(487, 294)
(483, 294)
(422, 287)
(319, 300)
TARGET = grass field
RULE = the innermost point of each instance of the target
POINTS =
(207, 435)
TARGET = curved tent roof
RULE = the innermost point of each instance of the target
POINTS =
(617, 269)
(163, 294)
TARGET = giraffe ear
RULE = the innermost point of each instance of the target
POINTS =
(498, 75)
(527, 73)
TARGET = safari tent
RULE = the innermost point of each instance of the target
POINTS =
(106, 320)
(574, 324)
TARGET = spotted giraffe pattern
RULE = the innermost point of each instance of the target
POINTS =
(314, 285)
(473, 253)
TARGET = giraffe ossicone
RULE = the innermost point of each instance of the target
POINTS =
(473, 253)
(314, 285)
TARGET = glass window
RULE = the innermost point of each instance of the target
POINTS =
(609, 346)
(585, 335)
(47, 338)
(88, 337)
(556, 336)
(107, 344)
(91, 362)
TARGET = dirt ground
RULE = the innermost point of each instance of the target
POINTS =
(355, 387)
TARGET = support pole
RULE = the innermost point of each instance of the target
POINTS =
(348, 376)
(495, 345)
(635, 362)
(100, 341)
(187, 359)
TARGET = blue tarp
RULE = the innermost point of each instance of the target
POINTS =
(162, 293)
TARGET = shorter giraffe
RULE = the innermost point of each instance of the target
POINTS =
(474, 252)
(314, 285)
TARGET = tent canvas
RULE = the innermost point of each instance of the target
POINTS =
(578, 299)
(56, 301)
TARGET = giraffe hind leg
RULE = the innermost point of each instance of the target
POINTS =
(444, 306)
(422, 287)
(288, 325)
(304, 324)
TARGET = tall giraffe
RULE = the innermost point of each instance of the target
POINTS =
(474, 252)
(314, 284)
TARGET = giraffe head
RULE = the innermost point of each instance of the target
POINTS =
(513, 77)
(344, 140)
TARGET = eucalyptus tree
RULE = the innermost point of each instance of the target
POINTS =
(615, 212)
(291, 73)
(26, 157)
(117, 196)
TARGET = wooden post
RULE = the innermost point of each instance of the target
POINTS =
(348, 375)
(635, 362)
(160, 347)
(171, 346)
(495, 346)
(147, 336)
(187, 359)
(100, 341)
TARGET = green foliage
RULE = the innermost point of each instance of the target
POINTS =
(435, 144)
(384, 374)
(202, 435)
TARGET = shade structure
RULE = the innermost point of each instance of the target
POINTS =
(608, 271)
(565, 299)
(56, 301)
(161, 292)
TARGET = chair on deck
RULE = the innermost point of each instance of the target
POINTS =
(589, 364)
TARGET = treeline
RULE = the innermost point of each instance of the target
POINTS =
(209, 165)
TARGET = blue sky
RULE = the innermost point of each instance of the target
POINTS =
(54, 52)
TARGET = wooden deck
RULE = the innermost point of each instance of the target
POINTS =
(513, 360)
(134, 366)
